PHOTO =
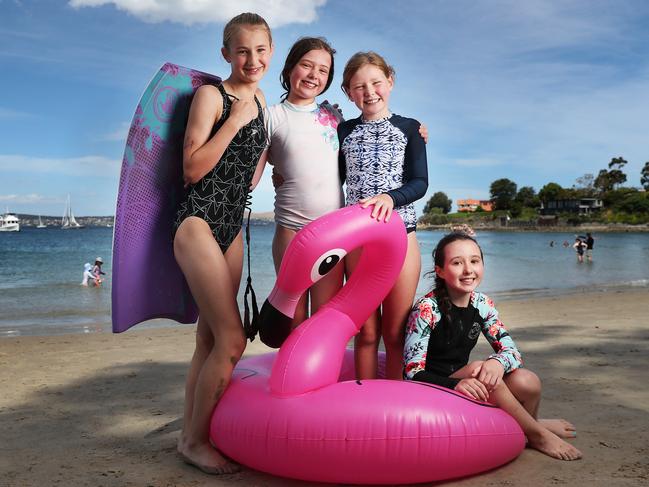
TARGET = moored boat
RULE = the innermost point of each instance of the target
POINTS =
(9, 223)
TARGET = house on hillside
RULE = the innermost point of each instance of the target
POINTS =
(472, 205)
(580, 206)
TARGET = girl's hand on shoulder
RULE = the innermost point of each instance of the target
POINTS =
(243, 112)
(473, 388)
(491, 373)
(383, 206)
(423, 131)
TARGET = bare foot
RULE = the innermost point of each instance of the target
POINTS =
(560, 427)
(550, 444)
(205, 458)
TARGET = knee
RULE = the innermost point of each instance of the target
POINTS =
(476, 364)
(524, 382)
(204, 342)
(394, 339)
(237, 347)
(368, 337)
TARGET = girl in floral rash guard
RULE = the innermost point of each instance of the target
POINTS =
(443, 328)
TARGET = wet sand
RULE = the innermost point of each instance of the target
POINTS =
(104, 410)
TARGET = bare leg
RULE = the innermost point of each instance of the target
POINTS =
(327, 287)
(525, 385)
(282, 238)
(206, 270)
(396, 308)
(204, 337)
(366, 342)
(538, 436)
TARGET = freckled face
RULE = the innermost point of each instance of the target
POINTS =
(309, 76)
(370, 89)
(463, 268)
(249, 53)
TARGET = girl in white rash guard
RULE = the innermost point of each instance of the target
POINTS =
(303, 148)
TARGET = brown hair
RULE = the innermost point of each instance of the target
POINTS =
(246, 18)
(299, 49)
(360, 59)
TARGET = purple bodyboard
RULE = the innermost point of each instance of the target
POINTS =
(147, 282)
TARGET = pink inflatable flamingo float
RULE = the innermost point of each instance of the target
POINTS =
(294, 413)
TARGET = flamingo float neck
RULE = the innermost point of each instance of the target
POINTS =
(312, 355)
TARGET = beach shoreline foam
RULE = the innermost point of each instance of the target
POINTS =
(104, 409)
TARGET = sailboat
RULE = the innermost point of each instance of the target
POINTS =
(40, 223)
(68, 222)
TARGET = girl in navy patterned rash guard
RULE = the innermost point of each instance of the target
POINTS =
(382, 159)
(443, 328)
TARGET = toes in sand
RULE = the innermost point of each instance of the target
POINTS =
(208, 460)
(560, 427)
(553, 446)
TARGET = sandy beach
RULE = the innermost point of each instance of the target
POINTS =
(104, 410)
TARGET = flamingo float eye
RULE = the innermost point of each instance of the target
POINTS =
(326, 262)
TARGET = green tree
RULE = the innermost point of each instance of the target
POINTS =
(503, 192)
(527, 197)
(549, 192)
(439, 200)
(634, 203)
(603, 181)
(616, 175)
(644, 179)
(607, 180)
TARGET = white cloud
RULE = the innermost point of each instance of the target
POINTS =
(188, 12)
(95, 166)
(25, 198)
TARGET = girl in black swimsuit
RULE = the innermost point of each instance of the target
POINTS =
(223, 143)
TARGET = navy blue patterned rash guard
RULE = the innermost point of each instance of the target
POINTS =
(384, 156)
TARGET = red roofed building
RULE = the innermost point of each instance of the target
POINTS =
(473, 205)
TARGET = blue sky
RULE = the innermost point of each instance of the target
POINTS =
(534, 91)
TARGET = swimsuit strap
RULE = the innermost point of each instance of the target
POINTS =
(227, 98)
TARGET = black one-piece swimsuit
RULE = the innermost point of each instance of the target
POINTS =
(219, 197)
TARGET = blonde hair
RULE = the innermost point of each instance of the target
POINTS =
(360, 59)
(246, 18)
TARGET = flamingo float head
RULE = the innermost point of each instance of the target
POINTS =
(312, 348)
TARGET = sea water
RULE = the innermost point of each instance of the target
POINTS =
(41, 271)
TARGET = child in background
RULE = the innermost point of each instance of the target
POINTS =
(88, 276)
(224, 141)
(580, 248)
(382, 158)
(443, 328)
(96, 270)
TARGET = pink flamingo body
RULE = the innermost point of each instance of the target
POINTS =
(299, 413)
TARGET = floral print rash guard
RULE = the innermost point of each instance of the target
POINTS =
(433, 352)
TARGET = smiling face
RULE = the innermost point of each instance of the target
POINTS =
(462, 270)
(249, 53)
(370, 89)
(309, 77)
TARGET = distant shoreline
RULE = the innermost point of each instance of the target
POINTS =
(610, 228)
(269, 217)
(103, 221)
